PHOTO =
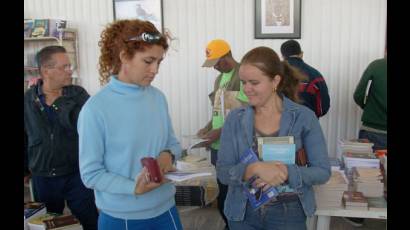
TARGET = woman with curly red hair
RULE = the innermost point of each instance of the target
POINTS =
(127, 120)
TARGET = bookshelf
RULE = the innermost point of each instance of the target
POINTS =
(68, 38)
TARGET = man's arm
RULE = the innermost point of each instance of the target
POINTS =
(324, 96)
(360, 91)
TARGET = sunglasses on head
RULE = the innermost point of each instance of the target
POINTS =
(146, 37)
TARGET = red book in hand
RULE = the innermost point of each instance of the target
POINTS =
(153, 168)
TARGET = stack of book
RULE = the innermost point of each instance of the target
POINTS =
(377, 204)
(355, 159)
(36, 223)
(32, 210)
(277, 149)
(329, 195)
(44, 27)
(190, 195)
(354, 201)
(65, 222)
(354, 145)
(368, 181)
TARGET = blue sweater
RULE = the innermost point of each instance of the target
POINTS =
(117, 127)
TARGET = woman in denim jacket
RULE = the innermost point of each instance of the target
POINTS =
(271, 86)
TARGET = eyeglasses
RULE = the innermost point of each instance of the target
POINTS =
(67, 67)
(146, 37)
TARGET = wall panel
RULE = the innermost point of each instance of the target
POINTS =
(339, 38)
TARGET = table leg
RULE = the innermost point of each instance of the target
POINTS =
(323, 223)
(311, 223)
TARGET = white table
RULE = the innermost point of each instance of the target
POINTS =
(323, 216)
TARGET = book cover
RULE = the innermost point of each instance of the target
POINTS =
(256, 196)
(273, 140)
(41, 27)
(56, 27)
(33, 209)
(61, 221)
(351, 198)
(37, 223)
(185, 175)
(28, 27)
(284, 153)
(188, 195)
(377, 203)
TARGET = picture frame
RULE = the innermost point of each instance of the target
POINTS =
(149, 10)
(277, 19)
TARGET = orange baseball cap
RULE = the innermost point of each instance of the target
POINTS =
(214, 51)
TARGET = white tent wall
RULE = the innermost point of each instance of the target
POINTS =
(339, 38)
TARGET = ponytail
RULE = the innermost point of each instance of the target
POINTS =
(289, 84)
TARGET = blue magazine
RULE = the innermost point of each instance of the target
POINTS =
(256, 196)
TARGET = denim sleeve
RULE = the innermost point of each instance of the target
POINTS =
(318, 170)
(228, 169)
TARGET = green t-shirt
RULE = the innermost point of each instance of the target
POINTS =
(217, 118)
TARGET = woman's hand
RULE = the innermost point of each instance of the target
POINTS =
(143, 183)
(165, 162)
(273, 173)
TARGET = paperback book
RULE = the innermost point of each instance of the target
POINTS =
(257, 196)
(33, 209)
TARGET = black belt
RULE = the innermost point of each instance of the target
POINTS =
(284, 198)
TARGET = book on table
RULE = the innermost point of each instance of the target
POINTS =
(64, 222)
(377, 203)
(33, 209)
(37, 223)
(186, 175)
(354, 200)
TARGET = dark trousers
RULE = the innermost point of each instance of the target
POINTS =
(378, 139)
(54, 191)
(223, 189)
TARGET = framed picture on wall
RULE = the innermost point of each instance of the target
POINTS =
(277, 18)
(149, 10)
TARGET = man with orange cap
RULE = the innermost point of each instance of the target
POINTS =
(227, 95)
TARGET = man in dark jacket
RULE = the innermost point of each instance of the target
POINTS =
(313, 91)
(51, 109)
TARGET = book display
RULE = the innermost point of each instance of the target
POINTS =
(39, 33)
(195, 181)
(64, 222)
(354, 201)
(365, 195)
(329, 195)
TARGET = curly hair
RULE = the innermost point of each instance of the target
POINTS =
(115, 38)
(267, 61)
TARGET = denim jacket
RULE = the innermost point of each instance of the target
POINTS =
(237, 136)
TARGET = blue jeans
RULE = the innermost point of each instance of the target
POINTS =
(54, 191)
(167, 221)
(379, 139)
(273, 216)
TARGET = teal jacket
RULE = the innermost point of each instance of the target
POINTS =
(375, 107)
(237, 137)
